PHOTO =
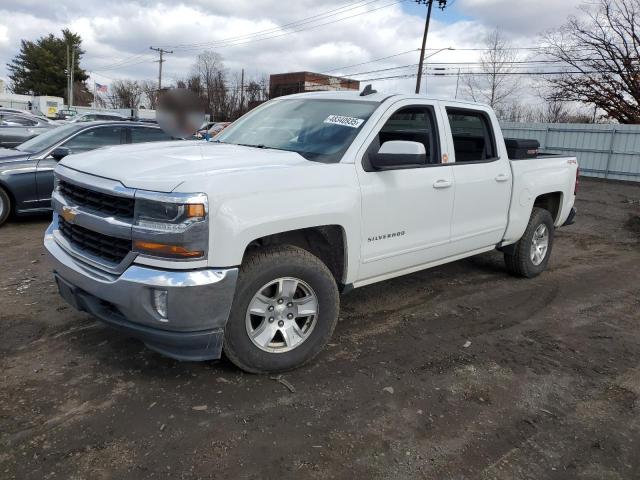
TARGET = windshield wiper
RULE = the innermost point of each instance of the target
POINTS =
(260, 145)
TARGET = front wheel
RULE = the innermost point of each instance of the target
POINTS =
(5, 206)
(530, 256)
(284, 312)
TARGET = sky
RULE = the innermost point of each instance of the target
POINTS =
(260, 36)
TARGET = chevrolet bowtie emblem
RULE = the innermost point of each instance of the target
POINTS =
(69, 214)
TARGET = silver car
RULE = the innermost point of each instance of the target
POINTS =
(91, 117)
(17, 128)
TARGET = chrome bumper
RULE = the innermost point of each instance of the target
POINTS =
(198, 302)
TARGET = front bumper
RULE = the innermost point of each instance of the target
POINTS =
(198, 302)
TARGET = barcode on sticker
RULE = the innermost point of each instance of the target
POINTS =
(345, 121)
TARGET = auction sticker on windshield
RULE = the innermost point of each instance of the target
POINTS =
(345, 121)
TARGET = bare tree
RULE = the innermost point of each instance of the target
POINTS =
(125, 94)
(210, 70)
(150, 91)
(221, 90)
(544, 111)
(493, 83)
(603, 53)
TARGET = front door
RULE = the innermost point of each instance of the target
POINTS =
(406, 213)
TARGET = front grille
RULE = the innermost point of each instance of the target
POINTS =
(98, 201)
(108, 248)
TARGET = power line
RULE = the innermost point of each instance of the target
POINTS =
(560, 72)
(372, 61)
(327, 14)
(118, 63)
(234, 44)
(434, 65)
(127, 62)
(134, 59)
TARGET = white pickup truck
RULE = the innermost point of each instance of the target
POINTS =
(243, 244)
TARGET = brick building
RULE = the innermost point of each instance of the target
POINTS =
(298, 82)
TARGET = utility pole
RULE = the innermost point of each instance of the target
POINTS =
(242, 92)
(429, 3)
(160, 62)
(73, 66)
(68, 78)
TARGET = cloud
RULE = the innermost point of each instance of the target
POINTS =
(117, 34)
(521, 18)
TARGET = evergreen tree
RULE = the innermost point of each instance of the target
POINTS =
(40, 67)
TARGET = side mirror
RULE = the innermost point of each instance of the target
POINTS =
(399, 154)
(60, 152)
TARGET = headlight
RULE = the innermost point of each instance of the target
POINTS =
(169, 217)
(171, 225)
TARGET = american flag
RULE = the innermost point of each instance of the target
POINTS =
(101, 88)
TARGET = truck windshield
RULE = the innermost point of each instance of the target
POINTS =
(319, 130)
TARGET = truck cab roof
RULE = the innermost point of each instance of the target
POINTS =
(378, 97)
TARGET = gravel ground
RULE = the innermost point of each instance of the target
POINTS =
(459, 372)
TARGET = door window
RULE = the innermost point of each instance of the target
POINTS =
(413, 124)
(94, 138)
(148, 134)
(473, 139)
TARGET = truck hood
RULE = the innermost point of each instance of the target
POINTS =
(163, 166)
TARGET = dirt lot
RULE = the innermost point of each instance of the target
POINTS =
(549, 386)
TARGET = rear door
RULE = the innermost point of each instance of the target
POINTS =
(406, 213)
(482, 180)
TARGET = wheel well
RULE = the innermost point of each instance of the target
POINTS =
(325, 242)
(550, 202)
(12, 200)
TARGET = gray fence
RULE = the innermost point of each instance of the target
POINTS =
(605, 151)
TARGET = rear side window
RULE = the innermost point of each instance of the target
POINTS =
(473, 139)
(142, 134)
(94, 138)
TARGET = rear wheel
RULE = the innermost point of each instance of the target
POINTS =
(284, 312)
(5, 206)
(530, 256)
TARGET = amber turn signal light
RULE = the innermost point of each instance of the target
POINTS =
(164, 250)
(195, 210)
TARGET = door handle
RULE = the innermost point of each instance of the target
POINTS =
(503, 177)
(442, 184)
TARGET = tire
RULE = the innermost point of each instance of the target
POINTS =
(5, 206)
(520, 260)
(271, 274)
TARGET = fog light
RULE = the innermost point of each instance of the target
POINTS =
(160, 303)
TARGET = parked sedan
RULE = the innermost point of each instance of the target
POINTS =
(17, 128)
(26, 171)
(90, 117)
